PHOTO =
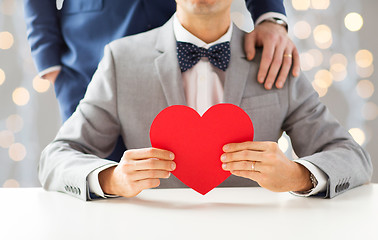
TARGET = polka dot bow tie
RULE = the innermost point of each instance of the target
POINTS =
(189, 54)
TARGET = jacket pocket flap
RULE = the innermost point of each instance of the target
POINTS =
(77, 6)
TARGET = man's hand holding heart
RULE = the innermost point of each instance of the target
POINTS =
(266, 164)
(139, 169)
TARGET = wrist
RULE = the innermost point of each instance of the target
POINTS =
(276, 21)
(105, 179)
(303, 182)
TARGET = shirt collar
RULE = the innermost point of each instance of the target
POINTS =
(183, 35)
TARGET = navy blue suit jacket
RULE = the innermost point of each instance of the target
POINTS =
(75, 36)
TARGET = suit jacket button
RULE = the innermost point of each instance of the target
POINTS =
(347, 185)
(337, 188)
(78, 191)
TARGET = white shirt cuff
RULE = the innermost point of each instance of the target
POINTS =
(320, 176)
(94, 184)
(269, 15)
(49, 70)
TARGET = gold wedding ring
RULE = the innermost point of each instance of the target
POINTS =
(288, 55)
(253, 165)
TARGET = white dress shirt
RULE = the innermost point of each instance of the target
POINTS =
(203, 83)
(203, 86)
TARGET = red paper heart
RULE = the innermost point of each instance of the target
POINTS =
(197, 141)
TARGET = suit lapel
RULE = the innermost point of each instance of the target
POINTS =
(238, 70)
(167, 66)
(170, 75)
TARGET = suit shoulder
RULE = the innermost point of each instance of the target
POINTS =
(144, 39)
(135, 47)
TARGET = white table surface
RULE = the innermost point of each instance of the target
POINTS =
(224, 213)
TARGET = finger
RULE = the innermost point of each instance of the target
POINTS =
(255, 145)
(285, 68)
(147, 183)
(255, 176)
(154, 164)
(244, 155)
(243, 166)
(250, 45)
(296, 63)
(149, 174)
(266, 60)
(274, 67)
(144, 153)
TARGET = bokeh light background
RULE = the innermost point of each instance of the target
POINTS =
(337, 43)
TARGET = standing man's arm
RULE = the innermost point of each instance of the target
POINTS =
(44, 36)
(279, 52)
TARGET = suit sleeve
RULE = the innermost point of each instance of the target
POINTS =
(86, 138)
(317, 137)
(43, 31)
(259, 7)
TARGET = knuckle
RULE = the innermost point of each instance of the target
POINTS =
(128, 161)
(247, 144)
(273, 145)
(277, 61)
(269, 155)
(159, 174)
(229, 167)
(156, 174)
(127, 164)
(151, 151)
(245, 154)
(122, 163)
(126, 155)
(151, 164)
(275, 37)
(267, 58)
(151, 174)
(245, 165)
(271, 36)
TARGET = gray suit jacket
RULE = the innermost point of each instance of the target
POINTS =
(139, 76)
